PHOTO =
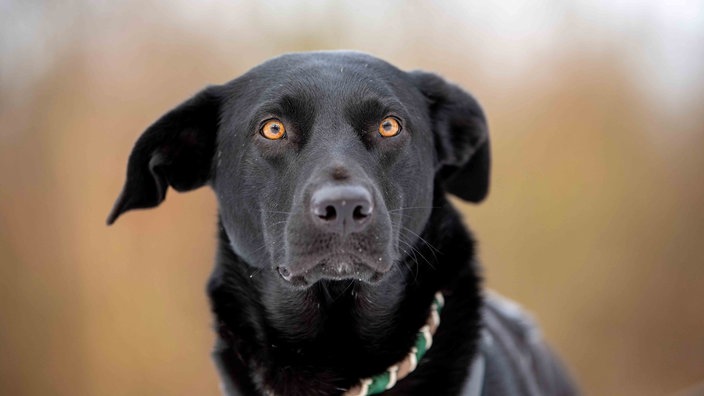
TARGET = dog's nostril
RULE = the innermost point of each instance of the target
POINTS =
(330, 213)
(360, 213)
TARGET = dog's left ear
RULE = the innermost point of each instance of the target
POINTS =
(175, 151)
(461, 137)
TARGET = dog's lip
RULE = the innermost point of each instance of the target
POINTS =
(337, 268)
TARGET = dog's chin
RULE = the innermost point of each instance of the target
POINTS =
(336, 268)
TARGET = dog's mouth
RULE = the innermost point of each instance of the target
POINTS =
(336, 267)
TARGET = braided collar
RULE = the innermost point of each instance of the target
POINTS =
(386, 380)
(424, 340)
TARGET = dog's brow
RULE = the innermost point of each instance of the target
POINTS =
(370, 110)
(298, 108)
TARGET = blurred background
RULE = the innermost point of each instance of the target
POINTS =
(595, 221)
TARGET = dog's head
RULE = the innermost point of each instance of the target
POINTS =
(324, 164)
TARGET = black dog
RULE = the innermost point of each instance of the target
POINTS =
(338, 249)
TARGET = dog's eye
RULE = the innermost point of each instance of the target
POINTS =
(389, 127)
(273, 130)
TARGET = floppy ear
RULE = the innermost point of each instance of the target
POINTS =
(175, 151)
(461, 137)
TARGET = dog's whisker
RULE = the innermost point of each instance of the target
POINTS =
(275, 211)
(413, 249)
(255, 273)
(415, 259)
(351, 282)
(413, 207)
(341, 294)
(420, 254)
(259, 248)
(277, 223)
(411, 270)
(410, 248)
(433, 248)
(414, 252)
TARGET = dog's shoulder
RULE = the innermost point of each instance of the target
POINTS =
(513, 358)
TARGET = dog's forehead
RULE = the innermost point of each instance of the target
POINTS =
(328, 60)
(328, 72)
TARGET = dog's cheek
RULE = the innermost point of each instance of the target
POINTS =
(412, 179)
(274, 219)
(238, 189)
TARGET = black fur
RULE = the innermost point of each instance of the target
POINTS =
(300, 310)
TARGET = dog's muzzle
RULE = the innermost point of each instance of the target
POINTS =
(342, 235)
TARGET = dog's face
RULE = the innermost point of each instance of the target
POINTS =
(324, 164)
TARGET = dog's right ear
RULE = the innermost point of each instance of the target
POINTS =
(175, 151)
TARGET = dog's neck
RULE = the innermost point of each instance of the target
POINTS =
(335, 332)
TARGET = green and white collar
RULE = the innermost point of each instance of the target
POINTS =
(424, 340)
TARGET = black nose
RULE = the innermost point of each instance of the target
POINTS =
(342, 209)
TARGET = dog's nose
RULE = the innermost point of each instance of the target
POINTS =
(342, 209)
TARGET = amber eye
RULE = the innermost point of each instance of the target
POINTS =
(389, 127)
(273, 129)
